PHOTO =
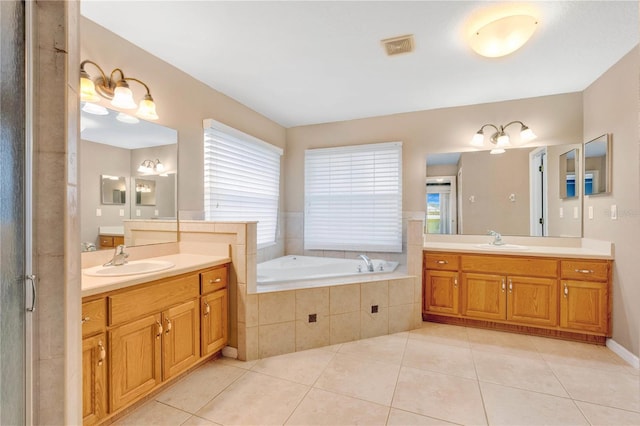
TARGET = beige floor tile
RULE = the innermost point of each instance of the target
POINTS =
(246, 365)
(504, 343)
(154, 413)
(383, 348)
(445, 359)
(600, 387)
(359, 377)
(509, 406)
(599, 415)
(441, 333)
(405, 418)
(200, 386)
(441, 396)
(198, 421)
(320, 407)
(518, 372)
(332, 348)
(254, 399)
(581, 354)
(301, 367)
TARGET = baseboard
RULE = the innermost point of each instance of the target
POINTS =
(623, 353)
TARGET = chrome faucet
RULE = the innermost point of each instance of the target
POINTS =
(497, 238)
(367, 261)
(119, 257)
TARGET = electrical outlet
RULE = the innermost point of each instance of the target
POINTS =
(313, 317)
(98, 212)
(590, 212)
(156, 213)
(121, 212)
(138, 213)
(614, 212)
(561, 212)
(374, 309)
(576, 213)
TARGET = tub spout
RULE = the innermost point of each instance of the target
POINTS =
(367, 261)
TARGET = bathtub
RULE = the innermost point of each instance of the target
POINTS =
(304, 268)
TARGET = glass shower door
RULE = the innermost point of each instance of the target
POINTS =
(12, 214)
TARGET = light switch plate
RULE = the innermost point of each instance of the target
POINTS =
(138, 212)
(590, 212)
(155, 212)
(614, 212)
(121, 212)
(561, 212)
(576, 213)
(98, 212)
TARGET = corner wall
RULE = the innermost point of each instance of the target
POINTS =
(612, 105)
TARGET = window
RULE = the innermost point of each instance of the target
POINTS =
(241, 179)
(353, 198)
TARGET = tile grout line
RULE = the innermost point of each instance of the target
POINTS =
(395, 388)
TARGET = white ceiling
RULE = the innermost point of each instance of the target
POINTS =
(309, 62)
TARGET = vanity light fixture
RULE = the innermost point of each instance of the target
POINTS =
(141, 187)
(500, 139)
(116, 88)
(150, 166)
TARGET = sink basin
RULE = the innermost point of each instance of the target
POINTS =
(502, 247)
(131, 268)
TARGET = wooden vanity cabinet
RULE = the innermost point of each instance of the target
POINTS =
(94, 362)
(110, 241)
(214, 309)
(539, 295)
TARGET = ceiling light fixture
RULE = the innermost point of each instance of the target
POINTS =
(500, 139)
(502, 35)
(150, 166)
(116, 88)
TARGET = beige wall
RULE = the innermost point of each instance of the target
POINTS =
(611, 105)
(555, 119)
(182, 104)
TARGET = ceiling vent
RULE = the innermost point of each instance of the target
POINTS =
(397, 45)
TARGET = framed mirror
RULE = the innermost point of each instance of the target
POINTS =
(597, 166)
(515, 193)
(113, 189)
(567, 173)
(114, 144)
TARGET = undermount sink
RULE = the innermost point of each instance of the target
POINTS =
(130, 268)
(502, 247)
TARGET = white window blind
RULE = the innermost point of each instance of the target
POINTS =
(353, 198)
(241, 179)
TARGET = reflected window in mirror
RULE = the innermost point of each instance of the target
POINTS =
(441, 205)
(597, 166)
(567, 170)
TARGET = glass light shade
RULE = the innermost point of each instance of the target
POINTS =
(94, 109)
(527, 134)
(144, 168)
(147, 109)
(503, 36)
(478, 139)
(123, 97)
(87, 89)
(497, 151)
(159, 166)
(502, 140)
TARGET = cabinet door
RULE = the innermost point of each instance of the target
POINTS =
(214, 321)
(441, 292)
(484, 296)
(583, 306)
(134, 359)
(181, 341)
(532, 300)
(94, 379)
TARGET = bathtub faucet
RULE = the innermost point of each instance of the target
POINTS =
(367, 261)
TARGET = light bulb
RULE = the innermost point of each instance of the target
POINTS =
(122, 96)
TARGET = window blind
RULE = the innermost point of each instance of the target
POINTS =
(241, 179)
(353, 198)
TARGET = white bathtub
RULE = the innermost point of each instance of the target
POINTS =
(303, 268)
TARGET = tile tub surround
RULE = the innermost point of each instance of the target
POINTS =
(294, 320)
(435, 374)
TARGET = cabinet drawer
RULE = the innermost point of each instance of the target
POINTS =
(151, 299)
(214, 279)
(520, 266)
(589, 270)
(94, 317)
(106, 241)
(441, 261)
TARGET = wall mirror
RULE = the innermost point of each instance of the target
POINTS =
(113, 189)
(515, 193)
(141, 155)
(567, 170)
(597, 166)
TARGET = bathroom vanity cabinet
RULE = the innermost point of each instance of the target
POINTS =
(149, 334)
(567, 298)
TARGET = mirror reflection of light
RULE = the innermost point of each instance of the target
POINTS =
(126, 118)
(94, 109)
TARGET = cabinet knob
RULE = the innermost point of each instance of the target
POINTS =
(584, 271)
(102, 354)
(455, 282)
(442, 262)
(168, 325)
(503, 285)
(85, 319)
(207, 309)
(510, 286)
(159, 331)
(566, 290)
(217, 280)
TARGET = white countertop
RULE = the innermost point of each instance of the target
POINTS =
(184, 263)
(588, 249)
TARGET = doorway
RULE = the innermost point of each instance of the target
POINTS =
(538, 192)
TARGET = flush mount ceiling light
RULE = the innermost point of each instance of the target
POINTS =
(116, 88)
(150, 166)
(500, 139)
(502, 29)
